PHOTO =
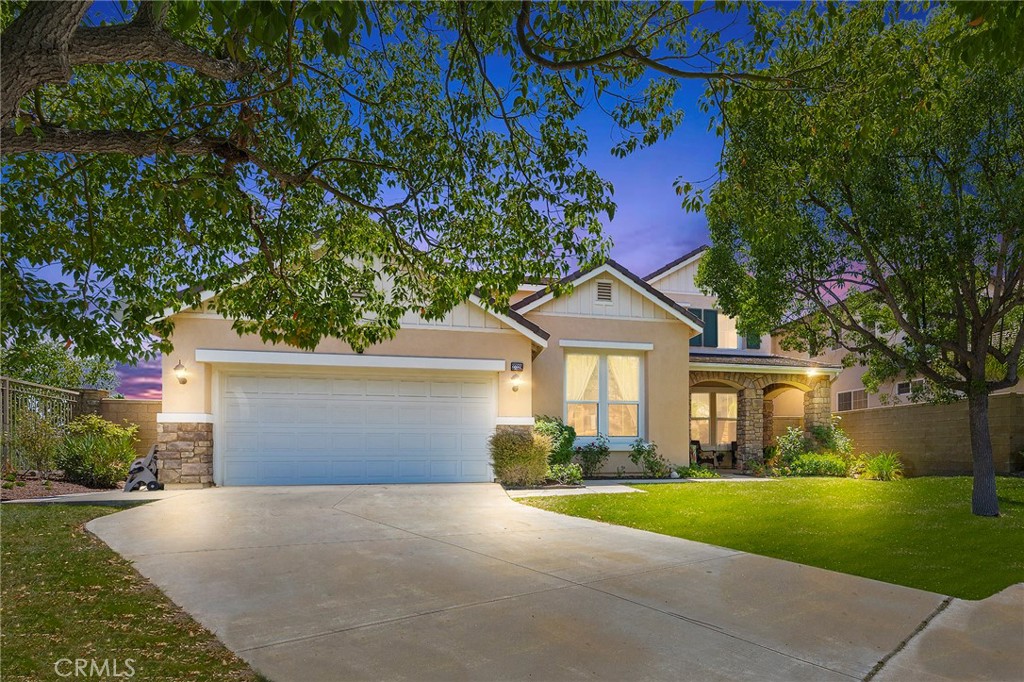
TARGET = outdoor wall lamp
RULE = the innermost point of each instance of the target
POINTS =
(179, 371)
(812, 372)
(517, 381)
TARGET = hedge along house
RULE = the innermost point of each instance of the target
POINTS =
(618, 355)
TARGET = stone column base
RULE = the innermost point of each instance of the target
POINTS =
(185, 453)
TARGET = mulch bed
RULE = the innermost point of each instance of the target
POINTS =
(37, 488)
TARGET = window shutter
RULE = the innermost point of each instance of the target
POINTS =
(697, 341)
(753, 342)
(710, 329)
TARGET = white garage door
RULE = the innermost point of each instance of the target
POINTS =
(354, 426)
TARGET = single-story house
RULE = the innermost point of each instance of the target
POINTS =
(619, 355)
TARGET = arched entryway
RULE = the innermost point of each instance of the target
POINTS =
(751, 396)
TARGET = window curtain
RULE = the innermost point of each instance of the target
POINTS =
(581, 380)
(623, 378)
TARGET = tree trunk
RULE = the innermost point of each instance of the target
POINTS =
(34, 50)
(983, 498)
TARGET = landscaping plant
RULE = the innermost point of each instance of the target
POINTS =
(817, 464)
(565, 474)
(96, 452)
(885, 466)
(563, 438)
(697, 471)
(592, 456)
(520, 458)
(644, 454)
(33, 443)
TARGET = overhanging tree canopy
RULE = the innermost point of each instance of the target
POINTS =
(881, 208)
(325, 166)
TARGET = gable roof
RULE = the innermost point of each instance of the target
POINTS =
(513, 319)
(680, 262)
(631, 280)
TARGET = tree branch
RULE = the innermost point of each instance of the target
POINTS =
(147, 43)
(34, 50)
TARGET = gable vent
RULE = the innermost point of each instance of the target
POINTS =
(604, 291)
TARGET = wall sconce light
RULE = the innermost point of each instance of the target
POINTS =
(179, 371)
(517, 381)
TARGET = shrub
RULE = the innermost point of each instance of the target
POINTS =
(34, 442)
(520, 458)
(831, 439)
(95, 452)
(885, 466)
(696, 471)
(563, 438)
(791, 445)
(817, 464)
(644, 454)
(592, 456)
(565, 474)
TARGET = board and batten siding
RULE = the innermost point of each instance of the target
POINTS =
(625, 304)
(680, 281)
(462, 316)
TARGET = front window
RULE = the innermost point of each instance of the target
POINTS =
(602, 394)
(713, 418)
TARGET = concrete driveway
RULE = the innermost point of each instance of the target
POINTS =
(454, 582)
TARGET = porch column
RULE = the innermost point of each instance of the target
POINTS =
(818, 404)
(769, 422)
(750, 424)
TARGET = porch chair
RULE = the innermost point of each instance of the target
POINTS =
(702, 456)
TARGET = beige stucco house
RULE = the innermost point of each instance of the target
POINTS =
(620, 355)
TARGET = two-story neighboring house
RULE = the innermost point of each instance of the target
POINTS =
(618, 355)
(741, 388)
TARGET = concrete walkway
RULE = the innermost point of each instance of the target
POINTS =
(967, 640)
(459, 582)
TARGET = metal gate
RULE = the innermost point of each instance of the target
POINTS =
(20, 399)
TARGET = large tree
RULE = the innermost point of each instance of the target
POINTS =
(326, 167)
(880, 208)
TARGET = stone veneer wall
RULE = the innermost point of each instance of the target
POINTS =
(185, 453)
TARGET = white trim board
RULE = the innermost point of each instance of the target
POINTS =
(763, 369)
(608, 269)
(263, 357)
(606, 345)
(184, 418)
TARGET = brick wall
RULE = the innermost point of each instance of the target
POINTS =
(142, 413)
(935, 439)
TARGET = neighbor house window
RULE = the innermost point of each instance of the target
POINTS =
(852, 400)
(602, 394)
(908, 387)
(713, 418)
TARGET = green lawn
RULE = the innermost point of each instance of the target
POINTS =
(67, 595)
(918, 532)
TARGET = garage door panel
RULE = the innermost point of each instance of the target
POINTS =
(444, 389)
(353, 427)
(476, 390)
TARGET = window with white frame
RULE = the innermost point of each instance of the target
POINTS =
(602, 394)
(713, 417)
(908, 387)
(851, 400)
